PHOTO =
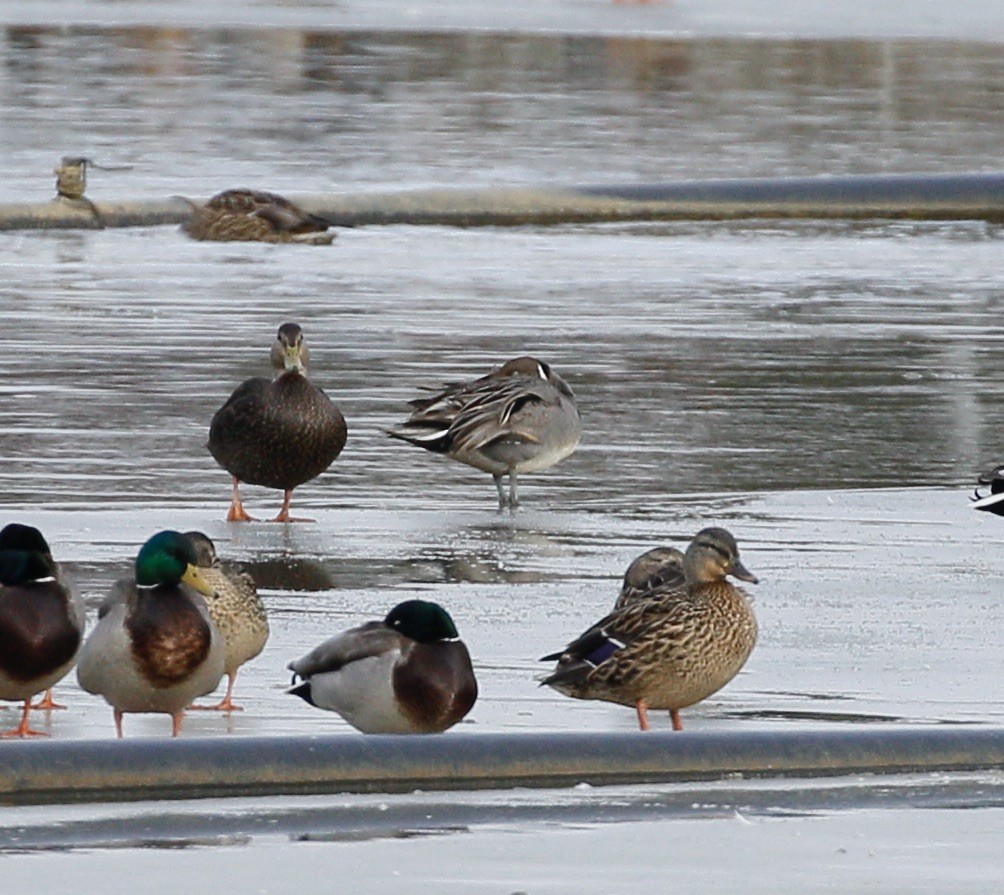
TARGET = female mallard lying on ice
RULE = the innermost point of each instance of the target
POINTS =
(519, 418)
(255, 216)
(673, 648)
(279, 432)
(409, 673)
(41, 620)
(154, 648)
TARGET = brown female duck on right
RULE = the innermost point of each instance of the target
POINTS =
(673, 648)
(242, 215)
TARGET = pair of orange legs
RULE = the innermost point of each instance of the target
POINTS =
(224, 705)
(239, 514)
(642, 711)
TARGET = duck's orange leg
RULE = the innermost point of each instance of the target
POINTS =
(284, 512)
(47, 702)
(642, 711)
(237, 512)
(23, 730)
(224, 705)
(674, 715)
(118, 723)
(176, 722)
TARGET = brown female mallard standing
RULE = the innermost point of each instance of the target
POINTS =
(277, 433)
(674, 647)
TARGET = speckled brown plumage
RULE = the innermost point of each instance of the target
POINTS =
(236, 610)
(660, 568)
(673, 648)
(242, 215)
(277, 433)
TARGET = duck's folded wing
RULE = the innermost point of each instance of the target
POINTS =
(496, 411)
(120, 592)
(368, 640)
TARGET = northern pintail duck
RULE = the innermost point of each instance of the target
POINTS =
(519, 418)
(236, 610)
(41, 620)
(671, 649)
(154, 648)
(409, 673)
(278, 433)
(993, 500)
(656, 569)
(241, 215)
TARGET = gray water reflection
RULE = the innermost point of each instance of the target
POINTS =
(196, 110)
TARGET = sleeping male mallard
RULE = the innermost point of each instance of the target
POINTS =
(41, 620)
(409, 673)
(279, 432)
(154, 648)
(241, 215)
(519, 418)
(673, 648)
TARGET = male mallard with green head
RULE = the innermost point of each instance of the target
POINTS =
(236, 610)
(277, 433)
(41, 620)
(409, 673)
(519, 418)
(154, 648)
(241, 215)
(673, 648)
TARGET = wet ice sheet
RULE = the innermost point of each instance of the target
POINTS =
(874, 606)
(733, 849)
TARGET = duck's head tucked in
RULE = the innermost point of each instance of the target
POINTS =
(170, 558)
(408, 673)
(713, 554)
(205, 549)
(24, 555)
(289, 353)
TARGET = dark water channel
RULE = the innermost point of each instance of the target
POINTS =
(826, 391)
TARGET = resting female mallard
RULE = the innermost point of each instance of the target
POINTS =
(277, 433)
(241, 215)
(236, 610)
(154, 648)
(521, 417)
(660, 568)
(41, 621)
(409, 673)
(673, 648)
